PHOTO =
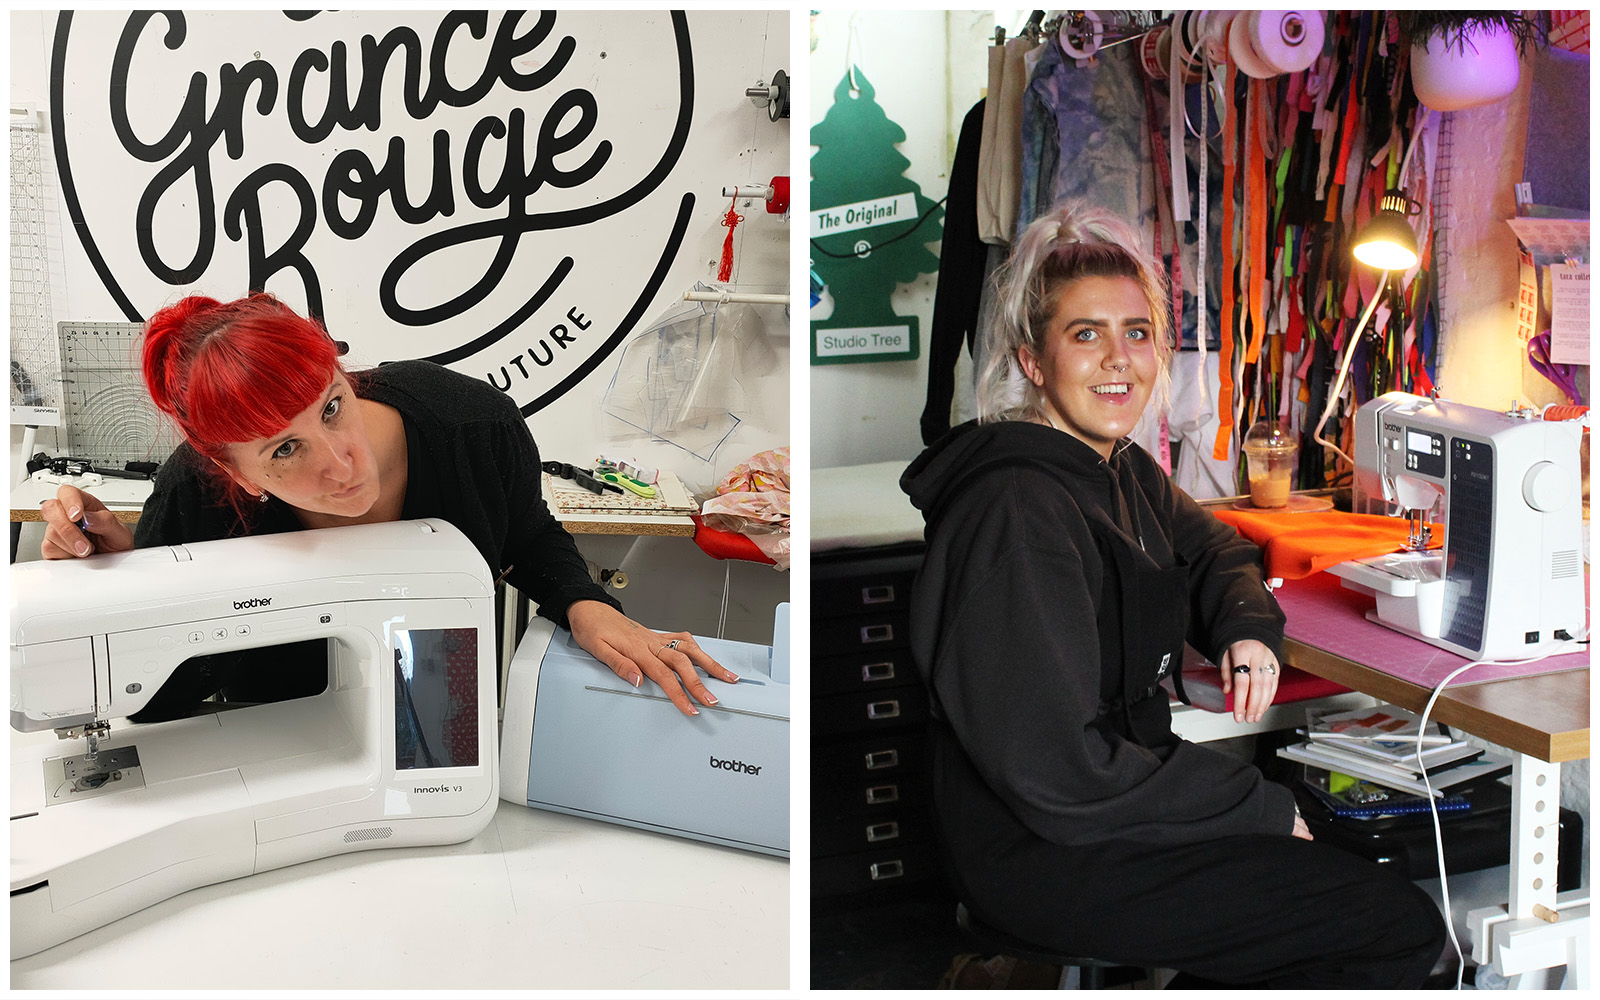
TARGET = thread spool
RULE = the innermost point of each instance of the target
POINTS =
(1080, 35)
(1287, 40)
(1214, 29)
(1150, 53)
(778, 203)
(1155, 56)
(1243, 52)
(1186, 34)
(1563, 411)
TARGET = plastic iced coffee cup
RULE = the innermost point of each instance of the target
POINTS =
(1270, 463)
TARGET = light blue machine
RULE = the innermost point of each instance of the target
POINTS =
(578, 739)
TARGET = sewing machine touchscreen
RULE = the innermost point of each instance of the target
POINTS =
(436, 698)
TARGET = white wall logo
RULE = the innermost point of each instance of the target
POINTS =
(486, 190)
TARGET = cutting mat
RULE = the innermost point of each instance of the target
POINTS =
(570, 498)
(1322, 612)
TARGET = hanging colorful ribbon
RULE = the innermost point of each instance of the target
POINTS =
(1222, 448)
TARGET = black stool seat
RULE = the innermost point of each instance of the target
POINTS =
(1091, 970)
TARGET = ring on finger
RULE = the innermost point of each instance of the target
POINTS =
(1269, 669)
(673, 644)
(1242, 668)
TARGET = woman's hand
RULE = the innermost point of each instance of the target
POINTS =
(1300, 829)
(64, 520)
(634, 652)
(1253, 689)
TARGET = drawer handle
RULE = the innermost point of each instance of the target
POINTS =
(877, 633)
(886, 869)
(882, 831)
(884, 709)
(877, 795)
(878, 671)
(880, 759)
(883, 594)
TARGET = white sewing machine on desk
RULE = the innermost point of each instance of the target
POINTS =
(398, 751)
(1508, 582)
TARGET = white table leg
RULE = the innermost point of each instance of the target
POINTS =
(1535, 824)
(1536, 931)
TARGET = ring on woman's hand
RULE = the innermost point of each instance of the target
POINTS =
(672, 645)
(1269, 669)
(1243, 668)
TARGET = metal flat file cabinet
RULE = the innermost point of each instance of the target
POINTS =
(871, 809)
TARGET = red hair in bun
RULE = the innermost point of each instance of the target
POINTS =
(235, 371)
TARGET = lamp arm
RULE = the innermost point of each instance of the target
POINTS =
(1344, 369)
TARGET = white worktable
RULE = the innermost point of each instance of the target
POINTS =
(538, 900)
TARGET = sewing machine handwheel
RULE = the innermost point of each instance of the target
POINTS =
(1547, 486)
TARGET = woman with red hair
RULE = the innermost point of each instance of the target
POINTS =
(280, 437)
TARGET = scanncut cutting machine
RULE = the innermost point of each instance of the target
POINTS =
(578, 739)
(398, 751)
(1509, 580)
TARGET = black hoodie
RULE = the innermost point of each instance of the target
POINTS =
(1057, 588)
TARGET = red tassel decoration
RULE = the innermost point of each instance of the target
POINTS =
(730, 220)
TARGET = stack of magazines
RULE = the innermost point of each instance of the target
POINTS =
(1379, 745)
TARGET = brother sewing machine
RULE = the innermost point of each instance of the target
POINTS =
(578, 739)
(1509, 581)
(398, 751)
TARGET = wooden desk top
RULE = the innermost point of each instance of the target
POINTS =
(1545, 716)
(123, 497)
(621, 524)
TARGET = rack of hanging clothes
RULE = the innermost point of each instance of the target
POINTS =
(1250, 146)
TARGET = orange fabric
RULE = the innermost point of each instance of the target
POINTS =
(1255, 182)
(1219, 450)
(1298, 545)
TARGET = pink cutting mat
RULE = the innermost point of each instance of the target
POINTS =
(1322, 612)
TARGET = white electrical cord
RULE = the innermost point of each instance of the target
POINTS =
(1344, 368)
(1568, 646)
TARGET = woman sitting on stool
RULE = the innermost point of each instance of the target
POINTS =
(1064, 572)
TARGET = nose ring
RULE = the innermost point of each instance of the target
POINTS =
(1119, 368)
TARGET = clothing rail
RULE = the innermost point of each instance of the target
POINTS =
(753, 298)
(1073, 21)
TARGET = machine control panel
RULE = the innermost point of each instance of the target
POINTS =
(1425, 453)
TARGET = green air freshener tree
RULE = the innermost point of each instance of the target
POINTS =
(868, 234)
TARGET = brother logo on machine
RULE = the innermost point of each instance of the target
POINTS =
(254, 602)
(738, 766)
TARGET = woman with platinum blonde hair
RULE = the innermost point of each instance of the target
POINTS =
(1071, 242)
(1064, 575)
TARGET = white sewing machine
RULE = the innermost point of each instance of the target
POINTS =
(398, 751)
(1509, 581)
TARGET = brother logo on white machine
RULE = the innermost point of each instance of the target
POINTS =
(254, 602)
(736, 765)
